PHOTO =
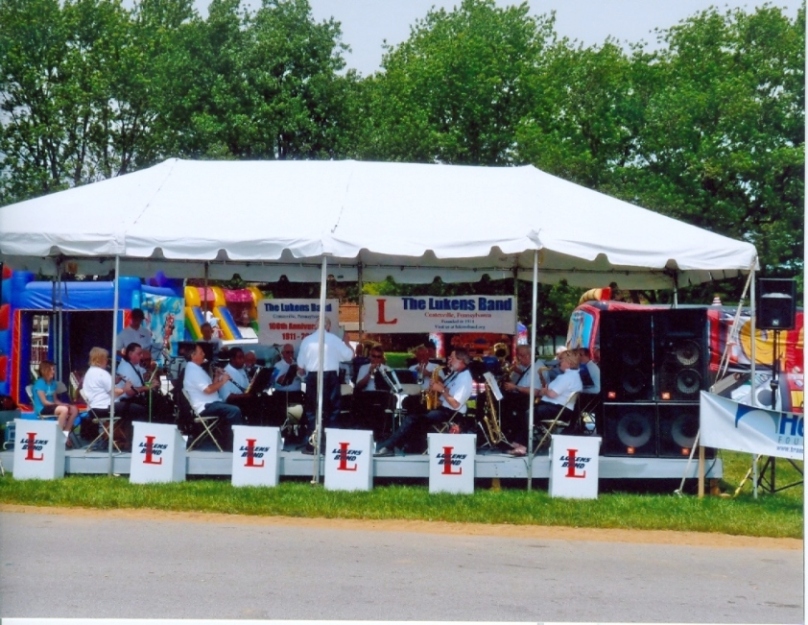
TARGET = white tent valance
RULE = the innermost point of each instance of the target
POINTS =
(263, 219)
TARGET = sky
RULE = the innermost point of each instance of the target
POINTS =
(366, 24)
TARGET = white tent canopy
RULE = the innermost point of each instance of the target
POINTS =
(263, 219)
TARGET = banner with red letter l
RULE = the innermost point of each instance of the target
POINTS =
(158, 454)
(574, 466)
(348, 459)
(451, 463)
(39, 450)
(256, 455)
(726, 424)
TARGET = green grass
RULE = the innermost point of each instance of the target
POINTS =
(624, 504)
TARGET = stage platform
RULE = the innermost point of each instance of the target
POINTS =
(488, 465)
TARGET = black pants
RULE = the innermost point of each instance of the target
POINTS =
(331, 400)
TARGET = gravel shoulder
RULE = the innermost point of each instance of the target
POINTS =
(658, 537)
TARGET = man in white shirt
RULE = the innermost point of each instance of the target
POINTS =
(234, 392)
(136, 333)
(286, 386)
(204, 396)
(558, 397)
(372, 397)
(454, 392)
(516, 396)
(308, 359)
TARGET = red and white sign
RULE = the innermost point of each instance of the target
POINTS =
(348, 459)
(574, 466)
(158, 454)
(458, 313)
(284, 321)
(256, 455)
(451, 463)
(39, 450)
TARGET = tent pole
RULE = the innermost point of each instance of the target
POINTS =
(205, 294)
(59, 321)
(321, 368)
(515, 340)
(113, 363)
(361, 287)
(753, 381)
(532, 404)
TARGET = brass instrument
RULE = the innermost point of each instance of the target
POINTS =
(432, 398)
(493, 431)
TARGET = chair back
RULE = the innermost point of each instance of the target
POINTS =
(187, 396)
(29, 390)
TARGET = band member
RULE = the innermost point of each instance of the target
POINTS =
(423, 368)
(286, 386)
(454, 392)
(135, 332)
(516, 396)
(250, 364)
(209, 336)
(372, 400)
(557, 395)
(99, 389)
(133, 402)
(589, 371)
(204, 396)
(335, 352)
(234, 391)
(160, 405)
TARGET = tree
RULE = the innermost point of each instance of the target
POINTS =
(455, 90)
(722, 147)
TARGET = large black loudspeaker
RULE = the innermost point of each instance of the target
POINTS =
(629, 430)
(776, 304)
(626, 359)
(680, 354)
(678, 426)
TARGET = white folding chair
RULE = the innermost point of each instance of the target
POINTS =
(549, 426)
(207, 423)
(104, 430)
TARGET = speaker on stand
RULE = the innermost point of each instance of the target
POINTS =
(776, 310)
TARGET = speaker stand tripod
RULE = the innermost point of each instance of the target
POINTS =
(768, 482)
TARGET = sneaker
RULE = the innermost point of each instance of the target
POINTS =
(384, 452)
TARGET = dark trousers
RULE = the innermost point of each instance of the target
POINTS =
(331, 400)
(228, 417)
(413, 427)
(546, 411)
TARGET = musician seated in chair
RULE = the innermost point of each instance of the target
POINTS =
(453, 392)
(286, 386)
(250, 364)
(204, 396)
(372, 402)
(516, 395)
(99, 390)
(147, 402)
(558, 396)
(234, 391)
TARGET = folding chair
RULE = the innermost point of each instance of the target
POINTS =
(550, 425)
(207, 423)
(104, 431)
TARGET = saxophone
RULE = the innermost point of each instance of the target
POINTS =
(432, 398)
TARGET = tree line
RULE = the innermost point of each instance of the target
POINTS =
(707, 127)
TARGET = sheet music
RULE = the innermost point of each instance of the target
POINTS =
(492, 384)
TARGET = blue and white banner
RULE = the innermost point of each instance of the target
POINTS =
(726, 424)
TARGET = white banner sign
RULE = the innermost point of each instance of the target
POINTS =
(466, 313)
(726, 424)
(284, 321)
(574, 466)
(39, 450)
(158, 454)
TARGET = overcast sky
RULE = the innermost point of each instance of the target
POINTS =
(367, 23)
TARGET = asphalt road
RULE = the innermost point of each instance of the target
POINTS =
(101, 567)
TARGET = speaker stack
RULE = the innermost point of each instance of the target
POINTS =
(653, 366)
